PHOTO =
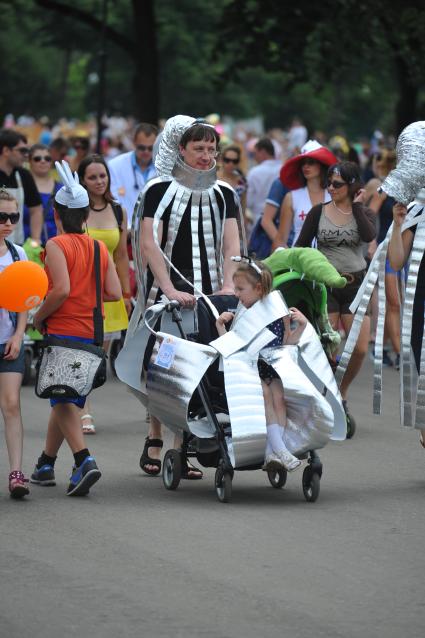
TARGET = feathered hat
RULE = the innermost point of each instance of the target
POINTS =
(72, 194)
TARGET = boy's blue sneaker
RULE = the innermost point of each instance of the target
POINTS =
(83, 477)
(45, 475)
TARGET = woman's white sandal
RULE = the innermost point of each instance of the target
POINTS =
(88, 428)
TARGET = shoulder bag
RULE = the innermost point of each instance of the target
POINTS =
(72, 369)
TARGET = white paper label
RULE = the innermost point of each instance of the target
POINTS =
(166, 354)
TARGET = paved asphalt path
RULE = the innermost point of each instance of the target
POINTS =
(133, 559)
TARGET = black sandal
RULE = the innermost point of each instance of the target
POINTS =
(197, 474)
(145, 459)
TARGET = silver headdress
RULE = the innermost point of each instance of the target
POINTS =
(407, 179)
(72, 194)
(168, 149)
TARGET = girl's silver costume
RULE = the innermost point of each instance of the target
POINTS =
(406, 185)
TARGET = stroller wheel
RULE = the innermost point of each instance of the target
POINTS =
(351, 426)
(311, 485)
(172, 469)
(223, 485)
(277, 478)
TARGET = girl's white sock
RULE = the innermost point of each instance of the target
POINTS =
(275, 438)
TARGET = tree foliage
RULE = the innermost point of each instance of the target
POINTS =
(340, 64)
(355, 46)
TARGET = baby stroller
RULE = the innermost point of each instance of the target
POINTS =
(221, 413)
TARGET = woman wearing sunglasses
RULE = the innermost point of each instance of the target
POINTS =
(305, 175)
(40, 162)
(342, 227)
(12, 364)
(231, 172)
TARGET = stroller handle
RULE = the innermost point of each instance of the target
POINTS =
(154, 313)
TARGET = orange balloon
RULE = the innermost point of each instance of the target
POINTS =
(23, 285)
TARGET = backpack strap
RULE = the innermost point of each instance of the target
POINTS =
(15, 256)
(11, 248)
(119, 215)
(97, 310)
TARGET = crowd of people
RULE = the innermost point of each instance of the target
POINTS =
(291, 190)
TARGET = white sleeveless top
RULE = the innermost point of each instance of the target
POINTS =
(301, 205)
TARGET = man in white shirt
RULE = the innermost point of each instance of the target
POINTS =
(261, 177)
(130, 171)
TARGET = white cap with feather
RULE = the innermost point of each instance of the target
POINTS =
(72, 194)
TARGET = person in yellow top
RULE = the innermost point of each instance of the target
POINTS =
(107, 222)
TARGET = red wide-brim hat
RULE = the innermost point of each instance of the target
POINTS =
(290, 173)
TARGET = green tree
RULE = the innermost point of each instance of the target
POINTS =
(137, 39)
(338, 42)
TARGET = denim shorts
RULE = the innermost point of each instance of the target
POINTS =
(14, 365)
(81, 401)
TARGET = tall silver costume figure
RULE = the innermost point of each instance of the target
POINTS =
(404, 184)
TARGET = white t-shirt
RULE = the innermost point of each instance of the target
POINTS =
(301, 205)
(6, 326)
(259, 179)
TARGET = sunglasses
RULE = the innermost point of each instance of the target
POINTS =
(41, 158)
(335, 184)
(12, 217)
(143, 148)
(230, 160)
(310, 162)
(24, 150)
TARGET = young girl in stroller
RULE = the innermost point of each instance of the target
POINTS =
(253, 281)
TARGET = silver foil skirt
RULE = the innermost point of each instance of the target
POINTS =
(171, 382)
(246, 409)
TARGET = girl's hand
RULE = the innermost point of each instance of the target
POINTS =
(297, 315)
(13, 347)
(399, 213)
(220, 322)
(224, 318)
(291, 337)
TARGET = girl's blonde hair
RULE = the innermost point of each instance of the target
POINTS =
(5, 196)
(256, 273)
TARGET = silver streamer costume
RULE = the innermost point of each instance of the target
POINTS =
(186, 186)
(404, 183)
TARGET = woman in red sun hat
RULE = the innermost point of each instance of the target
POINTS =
(306, 176)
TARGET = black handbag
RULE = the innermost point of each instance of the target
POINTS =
(71, 369)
